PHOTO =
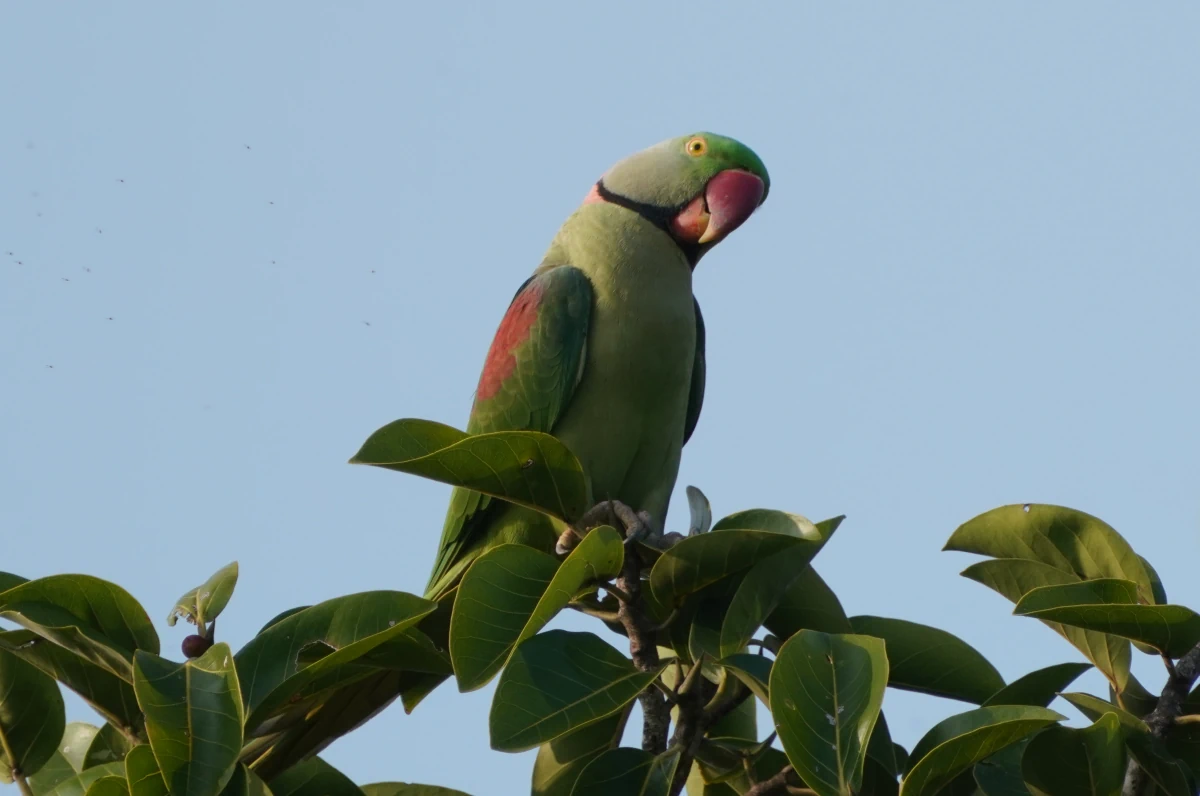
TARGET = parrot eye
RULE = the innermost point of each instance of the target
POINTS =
(696, 147)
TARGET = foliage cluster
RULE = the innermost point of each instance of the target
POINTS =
(727, 621)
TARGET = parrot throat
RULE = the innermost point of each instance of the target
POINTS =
(660, 217)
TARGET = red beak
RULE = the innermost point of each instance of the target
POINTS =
(731, 196)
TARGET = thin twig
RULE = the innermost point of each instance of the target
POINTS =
(775, 785)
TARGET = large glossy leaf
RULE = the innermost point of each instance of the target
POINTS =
(512, 592)
(32, 717)
(1039, 687)
(93, 618)
(931, 661)
(205, 603)
(760, 592)
(559, 681)
(1013, 578)
(193, 717)
(559, 762)
(77, 738)
(296, 653)
(1110, 606)
(406, 789)
(734, 544)
(313, 777)
(142, 773)
(959, 742)
(1170, 774)
(55, 770)
(524, 467)
(1061, 761)
(245, 782)
(627, 771)
(1000, 774)
(113, 785)
(78, 784)
(108, 746)
(108, 694)
(753, 670)
(826, 692)
(808, 604)
(1066, 539)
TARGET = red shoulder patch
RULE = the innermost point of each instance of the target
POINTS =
(514, 330)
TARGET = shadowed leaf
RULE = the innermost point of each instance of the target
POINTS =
(809, 604)
(1013, 578)
(826, 692)
(559, 762)
(78, 784)
(1061, 761)
(112, 785)
(753, 670)
(931, 661)
(559, 681)
(142, 774)
(1039, 687)
(92, 618)
(193, 717)
(405, 789)
(734, 544)
(524, 467)
(627, 771)
(512, 591)
(1110, 606)
(760, 592)
(272, 666)
(32, 717)
(313, 777)
(959, 742)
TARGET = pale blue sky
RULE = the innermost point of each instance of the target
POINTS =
(974, 283)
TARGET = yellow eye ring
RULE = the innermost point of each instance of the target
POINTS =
(696, 147)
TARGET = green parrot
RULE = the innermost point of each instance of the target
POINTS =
(603, 346)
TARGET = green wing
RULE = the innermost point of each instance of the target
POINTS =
(696, 394)
(534, 364)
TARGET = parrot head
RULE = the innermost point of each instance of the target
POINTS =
(697, 188)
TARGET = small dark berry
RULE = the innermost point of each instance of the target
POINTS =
(195, 646)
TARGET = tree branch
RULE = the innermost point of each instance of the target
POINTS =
(656, 713)
(777, 784)
(1181, 677)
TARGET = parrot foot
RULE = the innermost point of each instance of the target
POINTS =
(638, 525)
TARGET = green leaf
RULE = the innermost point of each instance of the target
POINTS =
(405, 789)
(112, 785)
(560, 762)
(882, 750)
(278, 664)
(1061, 761)
(809, 604)
(1068, 540)
(142, 774)
(8, 581)
(32, 717)
(79, 783)
(512, 591)
(559, 681)
(1110, 606)
(1014, 578)
(1170, 774)
(753, 670)
(204, 603)
(1000, 774)
(734, 544)
(523, 467)
(760, 592)
(931, 661)
(95, 619)
(961, 741)
(56, 770)
(108, 694)
(77, 738)
(1094, 708)
(826, 692)
(1039, 687)
(108, 746)
(313, 777)
(245, 782)
(627, 771)
(193, 717)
